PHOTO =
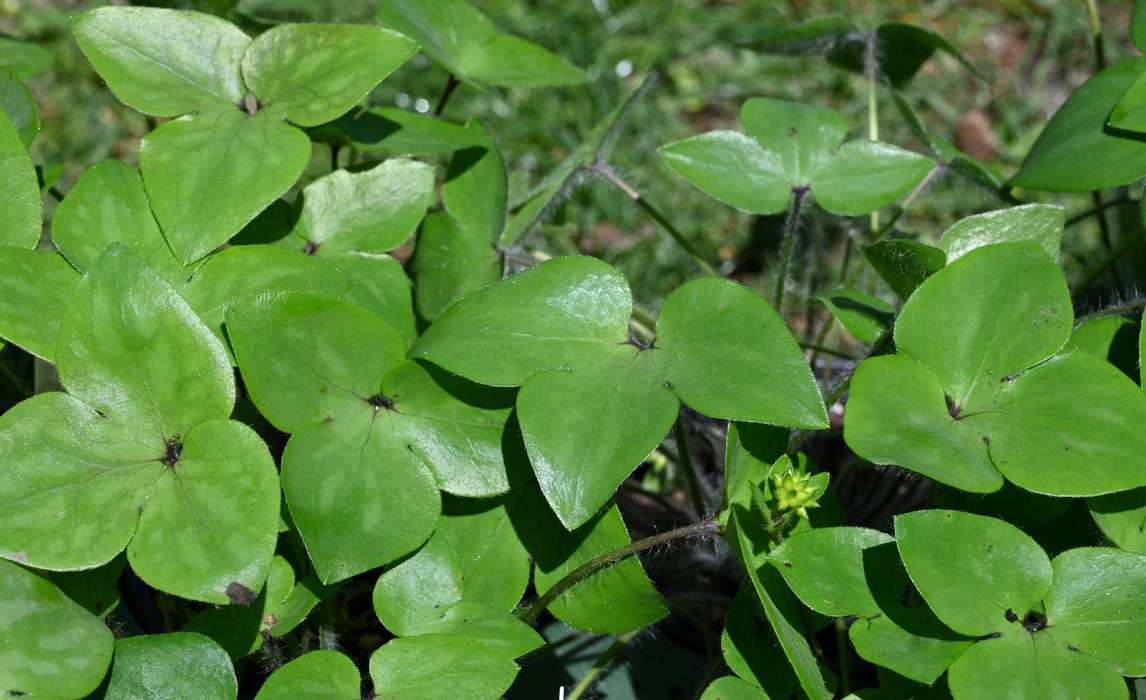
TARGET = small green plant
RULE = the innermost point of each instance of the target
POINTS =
(285, 428)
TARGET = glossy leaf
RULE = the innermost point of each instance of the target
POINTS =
(802, 558)
(370, 211)
(209, 174)
(318, 675)
(548, 317)
(733, 168)
(1077, 134)
(1129, 115)
(904, 265)
(450, 262)
(36, 286)
(475, 189)
(53, 647)
(494, 563)
(440, 667)
(462, 39)
(17, 101)
(178, 664)
(616, 398)
(164, 62)
(715, 337)
(381, 287)
(155, 448)
(972, 569)
(313, 73)
(887, 172)
(1042, 223)
(109, 204)
(976, 394)
(617, 599)
(865, 317)
(908, 639)
(20, 216)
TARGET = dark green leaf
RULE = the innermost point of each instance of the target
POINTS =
(1122, 517)
(24, 58)
(17, 102)
(865, 317)
(397, 131)
(904, 264)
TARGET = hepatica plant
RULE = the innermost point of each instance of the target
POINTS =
(365, 405)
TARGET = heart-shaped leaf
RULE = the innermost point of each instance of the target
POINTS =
(801, 559)
(976, 395)
(20, 217)
(439, 667)
(178, 664)
(36, 658)
(794, 148)
(494, 563)
(139, 448)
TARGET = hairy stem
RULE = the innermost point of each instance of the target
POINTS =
(704, 527)
(790, 224)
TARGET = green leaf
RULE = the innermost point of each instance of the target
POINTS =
(715, 337)
(494, 563)
(179, 664)
(618, 399)
(35, 286)
(1112, 338)
(1042, 223)
(139, 448)
(109, 204)
(19, 189)
(440, 667)
(904, 265)
(901, 49)
(380, 503)
(732, 168)
(907, 639)
(24, 58)
(314, 73)
(972, 570)
(1138, 25)
(238, 628)
(849, 552)
(865, 317)
(53, 647)
(816, 36)
(475, 190)
(449, 263)
(17, 101)
(397, 131)
(751, 649)
(318, 675)
(616, 599)
(1011, 667)
(1076, 135)
(381, 287)
(1122, 518)
(165, 62)
(462, 39)
(887, 172)
(732, 688)
(794, 644)
(370, 211)
(207, 175)
(550, 316)
(1129, 115)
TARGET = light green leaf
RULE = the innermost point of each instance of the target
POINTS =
(440, 667)
(715, 337)
(207, 175)
(550, 316)
(109, 204)
(732, 688)
(907, 639)
(733, 168)
(1122, 518)
(510, 61)
(474, 191)
(314, 73)
(165, 62)
(53, 647)
(397, 131)
(318, 675)
(1138, 25)
(1042, 223)
(800, 135)
(495, 566)
(24, 58)
(1130, 113)
(35, 286)
(888, 172)
(381, 287)
(19, 189)
(449, 263)
(616, 398)
(175, 665)
(410, 595)
(976, 573)
(751, 649)
(370, 211)
(850, 553)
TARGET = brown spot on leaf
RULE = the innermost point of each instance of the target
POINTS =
(240, 594)
(21, 556)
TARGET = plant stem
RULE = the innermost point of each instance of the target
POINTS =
(790, 224)
(819, 347)
(1096, 32)
(451, 85)
(1121, 201)
(872, 107)
(1107, 263)
(694, 490)
(704, 527)
(656, 215)
(599, 665)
